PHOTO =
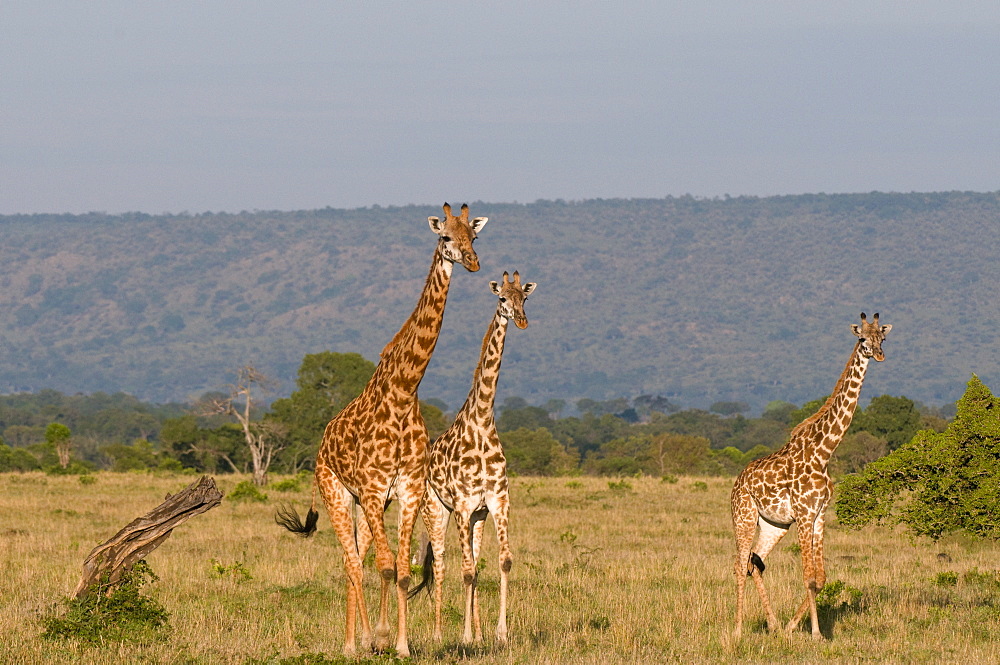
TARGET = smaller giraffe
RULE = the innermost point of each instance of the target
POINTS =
(467, 473)
(792, 485)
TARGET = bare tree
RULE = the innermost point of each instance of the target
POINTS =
(264, 438)
(106, 563)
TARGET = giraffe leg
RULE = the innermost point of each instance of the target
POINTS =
(410, 495)
(363, 533)
(373, 507)
(499, 507)
(436, 517)
(744, 528)
(462, 522)
(746, 520)
(813, 574)
(478, 527)
(766, 540)
(338, 503)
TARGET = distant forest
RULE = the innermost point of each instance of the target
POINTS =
(697, 301)
(644, 436)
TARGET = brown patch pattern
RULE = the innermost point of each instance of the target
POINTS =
(792, 485)
(375, 450)
(467, 472)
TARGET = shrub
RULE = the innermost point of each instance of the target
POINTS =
(123, 616)
(946, 579)
(937, 483)
(17, 459)
(620, 486)
(287, 485)
(246, 491)
(837, 595)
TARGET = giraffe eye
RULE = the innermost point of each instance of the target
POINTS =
(446, 238)
(503, 300)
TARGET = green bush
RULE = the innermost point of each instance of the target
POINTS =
(123, 616)
(246, 491)
(620, 486)
(836, 595)
(287, 485)
(937, 483)
(17, 459)
(948, 578)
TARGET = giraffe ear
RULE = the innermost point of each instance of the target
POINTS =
(437, 226)
(495, 288)
(478, 223)
(856, 329)
(886, 329)
(528, 288)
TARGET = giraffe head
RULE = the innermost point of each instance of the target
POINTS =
(456, 234)
(871, 335)
(512, 296)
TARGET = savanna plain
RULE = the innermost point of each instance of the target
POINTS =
(634, 570)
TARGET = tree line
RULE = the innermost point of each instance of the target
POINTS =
(236, 430)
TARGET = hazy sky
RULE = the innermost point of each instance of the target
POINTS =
(197, 106)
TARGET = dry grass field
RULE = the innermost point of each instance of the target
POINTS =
(631, 572)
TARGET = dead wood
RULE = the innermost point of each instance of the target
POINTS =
(105, 564)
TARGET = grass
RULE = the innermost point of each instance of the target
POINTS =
(601, 575)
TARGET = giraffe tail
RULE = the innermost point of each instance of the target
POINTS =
(755, 562)
(428, 577)
(287, 517)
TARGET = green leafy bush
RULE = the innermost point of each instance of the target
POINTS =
(287, 485)
(124, 615)
(246, 491)
(836, 595)
(937, 483)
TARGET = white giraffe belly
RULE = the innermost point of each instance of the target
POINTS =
(778, 511)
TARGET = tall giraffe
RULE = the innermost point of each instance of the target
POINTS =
(467, 473)
(792, 485)
(375, 449)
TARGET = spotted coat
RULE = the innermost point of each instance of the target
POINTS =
(792, 486)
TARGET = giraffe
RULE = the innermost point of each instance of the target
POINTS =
(467, 473)
(792, 485)
(375, 449)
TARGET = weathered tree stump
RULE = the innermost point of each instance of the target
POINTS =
(105, 564)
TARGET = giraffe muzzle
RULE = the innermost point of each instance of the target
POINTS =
(470, 261)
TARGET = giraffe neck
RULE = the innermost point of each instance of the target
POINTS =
(404, 359)
(479, 405)
(824, 431)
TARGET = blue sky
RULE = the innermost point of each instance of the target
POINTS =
(228, 106)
